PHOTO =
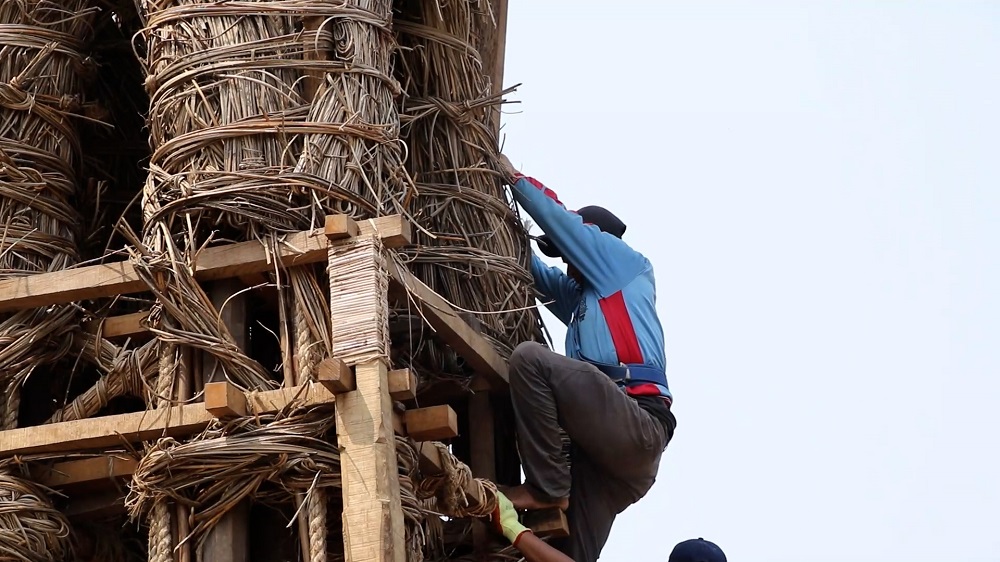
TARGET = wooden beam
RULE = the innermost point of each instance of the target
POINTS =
(223, 399)
(84, 472)
(335, 375)
(313, 50)
(339, 227)
(218, 262)
(94, 506)
(482, 458)
(454, 331)
(229, 539)
(402, 384)
(549, 522)
(175, 421)
(372, 515)
(499, 46)
(432, 424)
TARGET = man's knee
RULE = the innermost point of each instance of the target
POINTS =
(524, 360)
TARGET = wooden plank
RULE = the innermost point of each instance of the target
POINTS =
(224, 399)
(372, 515)
(402, 384)
(229, 539)
(454, 331)
(122, 325)
(219, 262)
(335, 375)
(432, 424)
(500, 46)
(84, 472)
(175, 421)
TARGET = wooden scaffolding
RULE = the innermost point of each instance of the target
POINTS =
(361, 391)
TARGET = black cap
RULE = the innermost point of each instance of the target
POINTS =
(597, 216)
(697, 550)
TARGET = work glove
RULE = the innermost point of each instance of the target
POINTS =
(504, 519)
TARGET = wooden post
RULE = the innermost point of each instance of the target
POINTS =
(373, 514)
(228, 540)
(482, 444)
(496, 55)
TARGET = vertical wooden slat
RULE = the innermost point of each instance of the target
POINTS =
(228, 540)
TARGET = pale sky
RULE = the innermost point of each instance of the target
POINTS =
(816, 184)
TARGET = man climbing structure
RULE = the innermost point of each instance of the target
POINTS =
(609, 393)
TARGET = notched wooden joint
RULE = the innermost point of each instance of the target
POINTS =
(224, 400)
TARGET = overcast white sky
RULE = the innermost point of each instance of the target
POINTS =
(816, 184)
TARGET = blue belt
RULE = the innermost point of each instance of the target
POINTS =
(632, 373)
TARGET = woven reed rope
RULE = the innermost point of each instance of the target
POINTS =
(479, 257)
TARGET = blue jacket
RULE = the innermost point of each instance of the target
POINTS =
(611, 318)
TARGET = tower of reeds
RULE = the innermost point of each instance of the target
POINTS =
(258, 280)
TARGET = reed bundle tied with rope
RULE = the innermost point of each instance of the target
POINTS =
(40, 84)
(31, 529)
(264, 117)
(478, 256)
(267, 458)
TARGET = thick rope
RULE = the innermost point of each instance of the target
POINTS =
(160, 520)
(305, 357)
(160, 539)
(12, 403)
(316, 504)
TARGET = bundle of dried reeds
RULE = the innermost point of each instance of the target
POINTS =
(31, 530)
(267, 458)
(40, 68)
(264, 116)
(479, 252)
(128, 372)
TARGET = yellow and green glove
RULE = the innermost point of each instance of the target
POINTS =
(504, 519)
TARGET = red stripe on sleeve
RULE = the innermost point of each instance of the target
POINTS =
(622, 331)
(541, 187)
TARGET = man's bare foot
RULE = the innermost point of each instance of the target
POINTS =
(523, 498)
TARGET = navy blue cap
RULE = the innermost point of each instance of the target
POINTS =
(598, 216)
(697, 550)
